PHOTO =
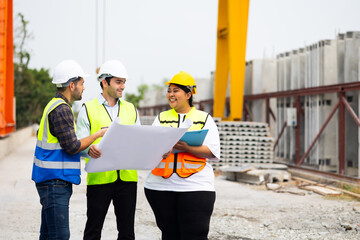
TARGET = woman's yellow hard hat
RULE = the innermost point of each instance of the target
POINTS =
(184, 79)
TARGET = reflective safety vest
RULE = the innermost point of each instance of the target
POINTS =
(98, 118)
(50, 160)
(183, 164)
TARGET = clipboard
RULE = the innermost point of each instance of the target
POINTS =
(193, 138)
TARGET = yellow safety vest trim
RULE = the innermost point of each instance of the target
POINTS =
(98, 118)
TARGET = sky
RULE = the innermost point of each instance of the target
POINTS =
(155, 39)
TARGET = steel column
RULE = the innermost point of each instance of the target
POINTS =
(297, 130)
(319, 133)
(341, 135)
(7, 109)
(267, 111)
(280, 134)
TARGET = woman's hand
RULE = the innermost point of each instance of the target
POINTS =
(198, 151)
(167, 154)
(94, 151)
(182, 146)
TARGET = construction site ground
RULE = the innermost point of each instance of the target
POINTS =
(241, 211)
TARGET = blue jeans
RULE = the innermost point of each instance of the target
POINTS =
(54, 198)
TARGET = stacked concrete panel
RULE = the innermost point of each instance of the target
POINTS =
(328, 75)
(351, 61)
(257, 106)
(284, 84)
(280, 112)
(326, 62)
(297, 81)
(268, 77)
(260, 76)
(244, 143)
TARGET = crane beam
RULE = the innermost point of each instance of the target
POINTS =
(230, 57)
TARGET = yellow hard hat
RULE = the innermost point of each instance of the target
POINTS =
(184, 79)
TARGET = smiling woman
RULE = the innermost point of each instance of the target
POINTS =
(181, 88)
(180, 189)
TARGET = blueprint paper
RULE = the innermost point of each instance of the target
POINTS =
(133, 147)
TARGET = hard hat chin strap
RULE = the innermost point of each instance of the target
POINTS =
(103, 76)
(60, 85)
(191, 88)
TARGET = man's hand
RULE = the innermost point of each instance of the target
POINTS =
(94, 152)
(102, 131)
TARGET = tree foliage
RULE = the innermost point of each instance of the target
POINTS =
(135, 99)
(33, 88)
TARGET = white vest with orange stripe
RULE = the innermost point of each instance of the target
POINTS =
(183, 164)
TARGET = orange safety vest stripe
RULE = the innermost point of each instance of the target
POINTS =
(183, 164)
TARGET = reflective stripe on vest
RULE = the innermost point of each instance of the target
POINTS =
(183, 164)
(98, 118)
(172, 118)
(50, 160)
(56, 165)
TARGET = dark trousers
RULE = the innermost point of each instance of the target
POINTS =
(123, 195)
(182, 215)
(54, 198)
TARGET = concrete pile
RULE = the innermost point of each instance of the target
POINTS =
(244, 142)
(247, 153)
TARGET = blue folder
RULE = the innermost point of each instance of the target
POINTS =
(193, 138)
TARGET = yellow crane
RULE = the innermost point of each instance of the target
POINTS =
(230, 57)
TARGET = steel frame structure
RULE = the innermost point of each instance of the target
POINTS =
(342, 106)
(7, 112)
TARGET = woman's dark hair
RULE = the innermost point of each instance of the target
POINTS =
(108, 79)
(186, 90)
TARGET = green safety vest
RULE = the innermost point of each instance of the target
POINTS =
(98, 118)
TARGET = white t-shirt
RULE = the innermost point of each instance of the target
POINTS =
(201, 181)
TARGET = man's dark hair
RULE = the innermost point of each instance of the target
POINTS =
(76, 80)
(108, 79)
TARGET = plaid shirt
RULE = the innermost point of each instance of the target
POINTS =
(61, 125)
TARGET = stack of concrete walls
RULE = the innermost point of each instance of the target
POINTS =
(284, 84)
(257, 105)
(351, 61)
(329, 140)
(260, 77)
(268, 77)
(326, 62)
(280, 113)
(296, 82)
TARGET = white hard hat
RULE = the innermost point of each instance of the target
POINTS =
(112, 68)
(66, 70)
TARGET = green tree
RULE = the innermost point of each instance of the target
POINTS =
(135, 99)
(33, 88)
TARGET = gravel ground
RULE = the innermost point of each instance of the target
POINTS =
(241, 211)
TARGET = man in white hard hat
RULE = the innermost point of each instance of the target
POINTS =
(57, 160)
(118, 186)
